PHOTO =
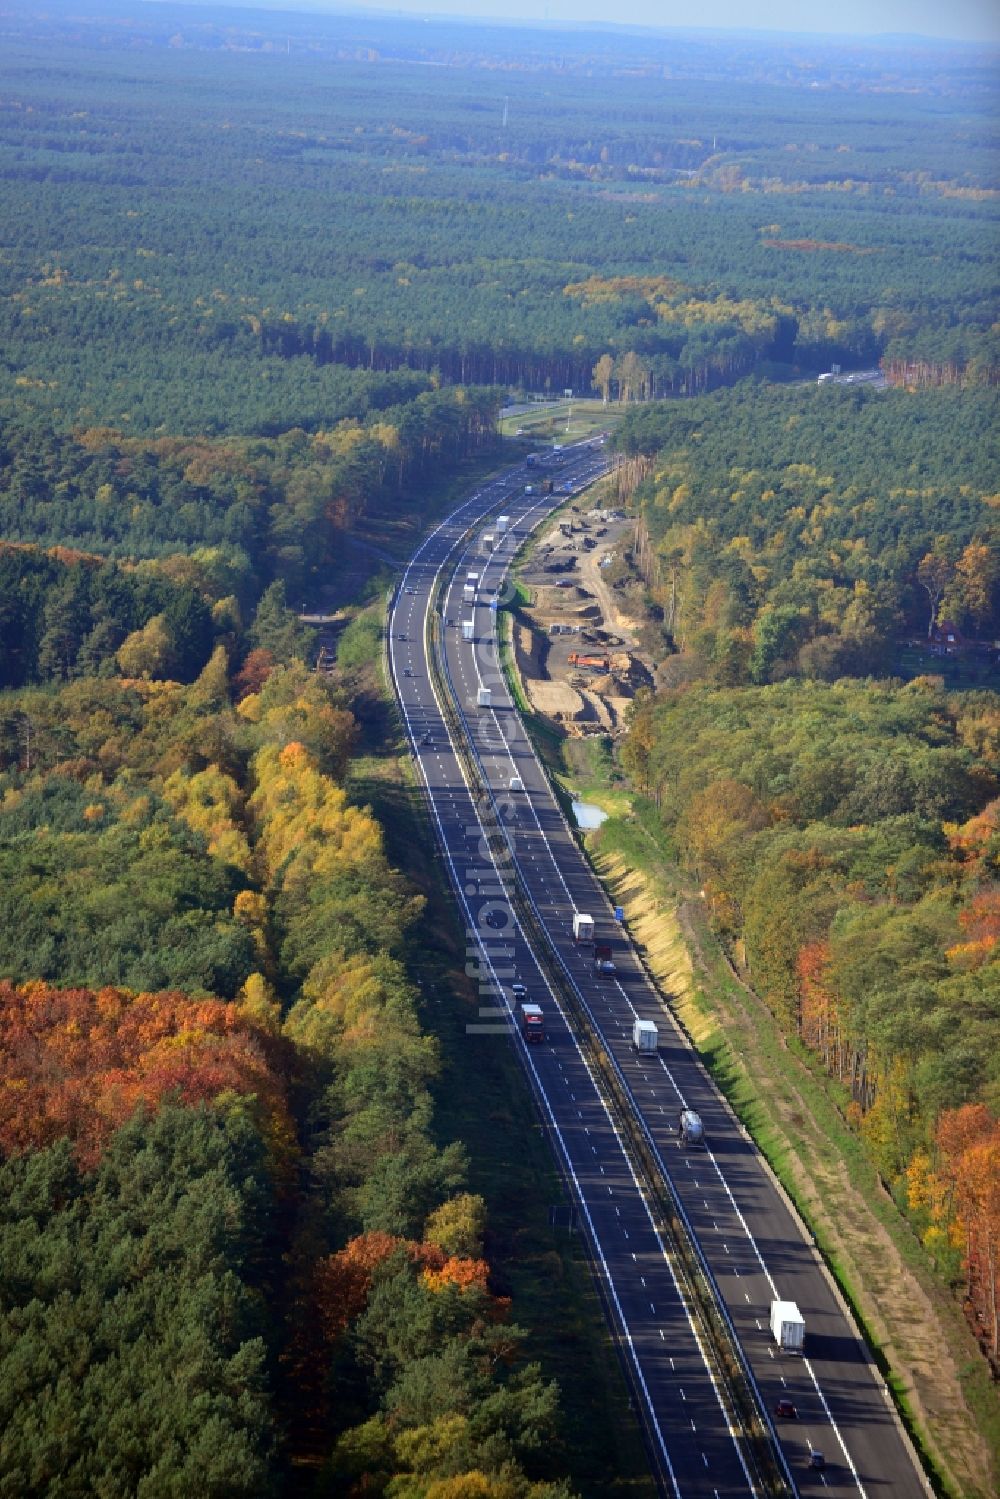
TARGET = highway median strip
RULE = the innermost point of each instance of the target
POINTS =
(744, 1408)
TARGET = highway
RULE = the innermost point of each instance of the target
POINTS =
(753, 1248)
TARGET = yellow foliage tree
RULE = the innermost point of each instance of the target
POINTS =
(603, 373)
(424, 1448)
(256, 1002)
(211, 803)
(146, 652)
(458, 1225)
(305, 821)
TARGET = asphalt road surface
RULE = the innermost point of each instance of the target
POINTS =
(752, 1245)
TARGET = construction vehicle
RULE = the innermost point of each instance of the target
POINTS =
(589, 663)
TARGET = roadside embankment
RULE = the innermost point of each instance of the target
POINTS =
(921, 1339)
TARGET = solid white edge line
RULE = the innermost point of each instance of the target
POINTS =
(511, 707)
(526, 1054)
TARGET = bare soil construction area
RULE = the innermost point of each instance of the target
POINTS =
(575, 646)
(587, 602)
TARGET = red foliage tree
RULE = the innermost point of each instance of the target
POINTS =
(254, 672)
(968, 1142)
(980, 921)
(79, 1063)
(819, 1020)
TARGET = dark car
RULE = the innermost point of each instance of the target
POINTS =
(402, 635)
(427, 739)
(816, 1459)
(786, 1409)
(519, 991)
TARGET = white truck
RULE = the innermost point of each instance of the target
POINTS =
(788, 1326)
(484, 697)
(468, 629)
(469, 593)
(644, 1036)
(503, 522)
(488, 541)
(583, 927)
(690, 1128)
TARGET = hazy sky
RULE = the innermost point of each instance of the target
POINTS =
(965, 20)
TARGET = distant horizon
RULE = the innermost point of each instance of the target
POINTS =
(968, 22)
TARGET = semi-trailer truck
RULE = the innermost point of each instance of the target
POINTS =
(788, 1326)
(532, 1023)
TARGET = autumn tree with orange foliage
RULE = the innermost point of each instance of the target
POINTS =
(968, 1147)
(819, 1020)
(343, 1280)
(79, 1063)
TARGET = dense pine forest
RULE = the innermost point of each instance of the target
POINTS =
(209, 230)
(265, 284)
(816, 531)
(823, 752)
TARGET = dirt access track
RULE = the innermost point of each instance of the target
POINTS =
(574, 645)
